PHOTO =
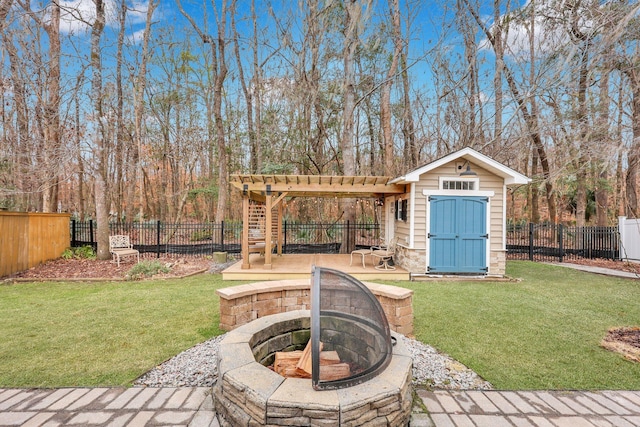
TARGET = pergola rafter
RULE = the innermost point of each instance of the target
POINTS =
(273, 189)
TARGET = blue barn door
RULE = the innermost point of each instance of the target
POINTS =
(458, 234)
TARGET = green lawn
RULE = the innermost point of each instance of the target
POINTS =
(542, 332)
(87, 334)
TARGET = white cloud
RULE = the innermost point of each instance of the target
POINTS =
(136, 37)
(550, 28)
(138, 12)
(78, 15)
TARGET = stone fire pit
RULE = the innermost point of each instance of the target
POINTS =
(249, 393)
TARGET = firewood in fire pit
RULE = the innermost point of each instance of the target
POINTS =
(334, 372)
(285, 363)
(289, 364)
(305, 360)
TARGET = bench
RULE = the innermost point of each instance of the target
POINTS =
(243, 303)
(120, 246)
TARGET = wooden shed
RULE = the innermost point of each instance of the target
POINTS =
(452, 217)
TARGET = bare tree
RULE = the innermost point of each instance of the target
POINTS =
(498, 49)
(49, 103)
(247, 90)
(385, 99)
(633, 74)
(101, 189)
(529, 114)
(411, 151)
(119, 172)
(219, 71)
(352, 16)
(138, 112)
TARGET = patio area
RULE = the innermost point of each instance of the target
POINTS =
(298, 266)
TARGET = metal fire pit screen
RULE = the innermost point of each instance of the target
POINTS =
(346, 318)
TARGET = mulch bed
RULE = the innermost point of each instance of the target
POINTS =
(625, 341)
(88, 269)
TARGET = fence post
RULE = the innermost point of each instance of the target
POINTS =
(91, 241)
(158, 240)
(73, 233)
(561, 241)
(622, 238)
(222, 235)
(530, 241)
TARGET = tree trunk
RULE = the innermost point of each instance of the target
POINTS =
(246, 90)
(497, 77)
(385, 101)
(602, 135)
(582, 160)
(138, 113)
(120, 167)
(620, 176)
(101, 190)
(223, 157)
(534, 204)
(52, 110)
(352, 16)
(634, 152)
(412, 154)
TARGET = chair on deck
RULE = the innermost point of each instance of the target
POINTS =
(385, 254)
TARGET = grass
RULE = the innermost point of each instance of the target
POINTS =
(542, 332)
(87, 334)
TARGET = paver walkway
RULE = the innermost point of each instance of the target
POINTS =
(600, 270)
(530, 409)
(114, 407)
(193, 406)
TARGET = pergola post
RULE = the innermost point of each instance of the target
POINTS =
(245, 232)
(268, 231)
(280, 212)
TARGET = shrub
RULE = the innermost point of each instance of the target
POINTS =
(146, 269)
(83, 252)
(67, 254)
(201, 235)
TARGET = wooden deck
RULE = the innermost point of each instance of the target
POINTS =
(298, 266)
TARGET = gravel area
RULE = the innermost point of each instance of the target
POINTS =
(196, 367)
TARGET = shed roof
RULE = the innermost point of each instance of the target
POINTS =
(510, 176)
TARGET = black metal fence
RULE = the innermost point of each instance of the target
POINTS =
(557, 242)
(206, 238)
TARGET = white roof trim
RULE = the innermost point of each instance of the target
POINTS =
(510, 176)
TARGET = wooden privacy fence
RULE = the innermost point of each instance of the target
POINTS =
(28, 239)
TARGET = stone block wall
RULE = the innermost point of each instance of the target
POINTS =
(411, 260)
(242, 304)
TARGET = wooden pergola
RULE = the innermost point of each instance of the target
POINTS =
(271, 190)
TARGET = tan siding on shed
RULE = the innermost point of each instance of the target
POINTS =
(430, 181)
